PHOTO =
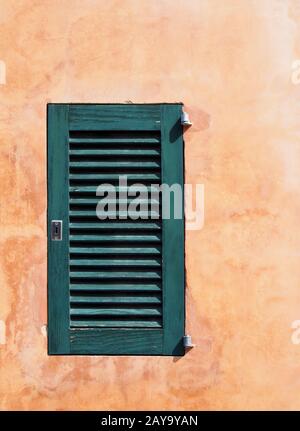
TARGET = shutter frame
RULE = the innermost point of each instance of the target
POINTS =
(167, 340)
(172, 233)
(58, 208)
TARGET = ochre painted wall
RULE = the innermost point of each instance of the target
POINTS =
(230, 62)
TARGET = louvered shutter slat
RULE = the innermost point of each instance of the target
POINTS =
(128, 299)
(115, 226)
(117, 323)
(110, 141)
(114, 262)
(113, 287)
(114, 152)
(115, 238)
(112, 274)
(92, 251)
(91, 191)
(117, 164)
(122, 157)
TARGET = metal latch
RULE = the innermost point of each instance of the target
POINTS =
(56, 230)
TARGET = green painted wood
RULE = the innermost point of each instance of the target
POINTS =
(116, 226)
(115, 311)
(108, 263)
(58, 277)
(103, 177)
(92, 189)
(94, 201)
(102, 275)
(114, 117)
(119, 287)
(114, 152)
(112, 141)
(146, 215)
(115, 289)
(116, 323)
(114, 165)
(173, 234)
(115, 250)
(115, 238)
(115, 299)
(116, 341)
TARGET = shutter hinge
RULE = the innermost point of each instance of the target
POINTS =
(187, 342)
(44, 330)
(185, 119)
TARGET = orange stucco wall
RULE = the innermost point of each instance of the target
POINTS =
(230, 62)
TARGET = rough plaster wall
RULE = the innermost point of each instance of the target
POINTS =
(230, 62)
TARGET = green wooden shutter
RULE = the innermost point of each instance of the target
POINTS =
(114, 286)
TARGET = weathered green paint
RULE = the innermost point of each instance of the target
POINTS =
(106, 341)
(58, 251)
(173, 233)
(113, 152)
(114, 117)
(138, 336)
